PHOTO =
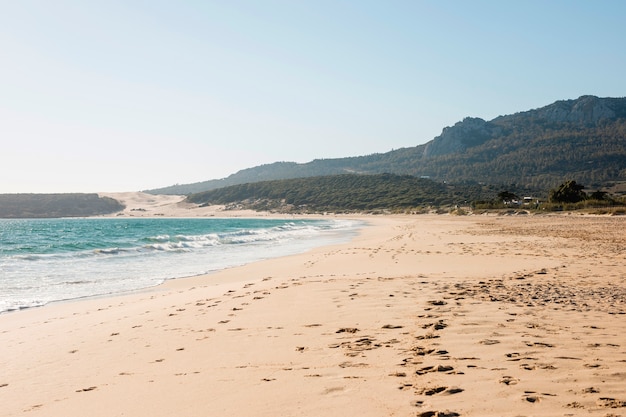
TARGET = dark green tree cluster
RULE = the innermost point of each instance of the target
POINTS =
(507, 196)
(568, 192)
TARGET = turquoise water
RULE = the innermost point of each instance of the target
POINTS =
(42, 261)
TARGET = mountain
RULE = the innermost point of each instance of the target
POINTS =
(582, 139)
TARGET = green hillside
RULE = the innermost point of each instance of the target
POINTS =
(56, 205)
(582, 139)
(335, 193)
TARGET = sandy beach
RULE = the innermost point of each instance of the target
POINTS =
(429, 315)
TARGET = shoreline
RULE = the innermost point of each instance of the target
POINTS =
(417, 315)
(201, 260)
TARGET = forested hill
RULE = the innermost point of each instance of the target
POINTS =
(582, 139)
(13, 206)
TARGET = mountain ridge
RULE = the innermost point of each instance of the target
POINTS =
(582, 138)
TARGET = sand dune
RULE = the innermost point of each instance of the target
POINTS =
(418, 316)
(140, 204)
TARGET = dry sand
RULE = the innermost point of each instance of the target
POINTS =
(418, 316)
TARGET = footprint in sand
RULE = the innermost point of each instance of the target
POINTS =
(440, 325)
(610, 403)
(422, 351)
(509, 380)
(592, 365)
(539, 344)
(391, 326)
(427, 336)
(440, 390)
(532, 398)
(347, 330)
(440, 368)
(353, 365)
(333, 389)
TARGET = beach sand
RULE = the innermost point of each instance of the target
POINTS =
(418, 316)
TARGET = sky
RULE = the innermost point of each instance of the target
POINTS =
(129, 95)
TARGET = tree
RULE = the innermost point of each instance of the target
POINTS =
(568, 192)
(507, 196)
(599, 195)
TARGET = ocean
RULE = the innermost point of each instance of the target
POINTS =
(47, 260)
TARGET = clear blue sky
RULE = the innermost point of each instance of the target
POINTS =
(130, 95)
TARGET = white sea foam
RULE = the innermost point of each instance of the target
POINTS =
(111, 263)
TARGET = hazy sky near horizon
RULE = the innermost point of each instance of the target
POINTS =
(130, 95)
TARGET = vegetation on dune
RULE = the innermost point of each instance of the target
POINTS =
(389, 193)
(570, 196)
(336, 193)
